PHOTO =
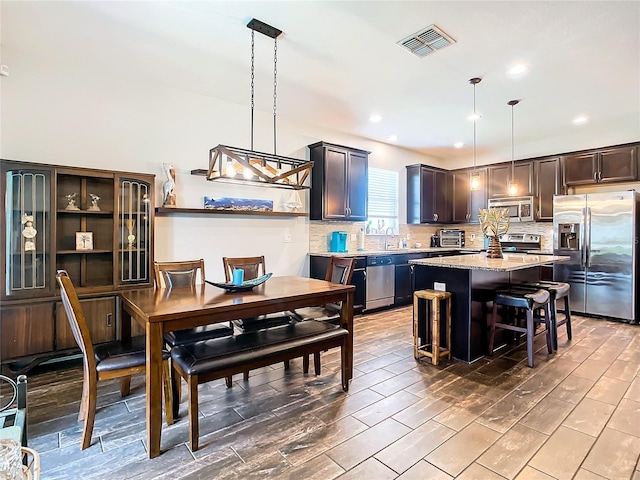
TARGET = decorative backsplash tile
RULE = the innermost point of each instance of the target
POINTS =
(320, 235)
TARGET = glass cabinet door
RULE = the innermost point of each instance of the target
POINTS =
(134, 231)
(27, 205)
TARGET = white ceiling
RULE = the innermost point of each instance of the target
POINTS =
(338, 63)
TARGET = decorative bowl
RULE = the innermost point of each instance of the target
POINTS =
(244, 286)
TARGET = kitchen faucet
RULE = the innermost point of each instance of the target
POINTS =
(386, 237)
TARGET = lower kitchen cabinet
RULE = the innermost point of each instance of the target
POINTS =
(404, 284)
(26, 330)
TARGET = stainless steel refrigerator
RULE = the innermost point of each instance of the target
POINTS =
(599, 231)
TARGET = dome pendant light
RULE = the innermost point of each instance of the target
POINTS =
(474, 181)
(513, 185)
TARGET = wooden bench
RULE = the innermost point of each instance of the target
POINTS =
(13, 421)
(217, 358)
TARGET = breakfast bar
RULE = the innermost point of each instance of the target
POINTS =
(471, 279)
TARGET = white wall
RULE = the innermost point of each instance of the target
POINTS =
(78, 115)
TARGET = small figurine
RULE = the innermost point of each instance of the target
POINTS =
(94, 203)
(168, 189)
(71, 198)
(29, 233)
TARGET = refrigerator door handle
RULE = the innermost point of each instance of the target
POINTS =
(588, 238)
(583, 246)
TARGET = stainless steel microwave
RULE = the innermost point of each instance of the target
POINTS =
(521, 209)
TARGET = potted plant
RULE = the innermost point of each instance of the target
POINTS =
(494, 223)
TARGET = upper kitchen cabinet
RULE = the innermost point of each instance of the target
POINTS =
(466, 203)
(428, 195)
(618, 164)
(500, 176)
(338, 182)
(548, 184)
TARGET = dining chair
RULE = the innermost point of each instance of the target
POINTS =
(253, 267)
(184, 274)
(106, 361)
(339, 270)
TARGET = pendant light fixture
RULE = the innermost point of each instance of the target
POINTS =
(512, 187)
(474, 182)
(239, 165)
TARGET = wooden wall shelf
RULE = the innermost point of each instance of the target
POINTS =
(202, 211)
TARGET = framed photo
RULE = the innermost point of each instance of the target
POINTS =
(84, 240)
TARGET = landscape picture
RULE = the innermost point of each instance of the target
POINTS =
(240, 204)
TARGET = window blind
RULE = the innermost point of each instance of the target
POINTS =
(383, 194)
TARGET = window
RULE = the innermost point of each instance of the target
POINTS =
(382, 210)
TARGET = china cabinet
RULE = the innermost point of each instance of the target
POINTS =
(96, 224)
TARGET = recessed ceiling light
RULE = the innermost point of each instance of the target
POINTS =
(474, 116)
(458, 144)
(518, 69)
(375, 118)
(393, 138)
(579, 120)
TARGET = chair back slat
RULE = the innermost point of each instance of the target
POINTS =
(253, 267)
(178, 274)
(76, 317)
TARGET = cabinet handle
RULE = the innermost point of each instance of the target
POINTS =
(599, 176)
(595, 176)
(109, 316)
(468, 216)
(435, 217)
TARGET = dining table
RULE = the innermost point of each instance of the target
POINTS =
(161, 310)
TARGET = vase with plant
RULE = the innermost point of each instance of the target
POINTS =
(494, 223)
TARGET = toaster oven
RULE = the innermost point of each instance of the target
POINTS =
(452, 238)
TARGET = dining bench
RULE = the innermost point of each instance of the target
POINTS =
(218, 358)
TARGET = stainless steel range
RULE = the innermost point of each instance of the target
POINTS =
(520, 242)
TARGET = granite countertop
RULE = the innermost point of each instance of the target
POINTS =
(394, 251)
(479, 261)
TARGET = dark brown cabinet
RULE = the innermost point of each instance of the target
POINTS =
(26, 330)
(95, 224)
(466, 203)
(618, 164)
(100, 314)
(500, 175)
(338, 182)
(548, 184)
(428, 195)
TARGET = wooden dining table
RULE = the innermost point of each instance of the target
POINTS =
(161, 310)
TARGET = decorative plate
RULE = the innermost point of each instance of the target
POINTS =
(247, 285)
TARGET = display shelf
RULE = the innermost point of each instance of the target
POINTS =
(203, 211)
(85, 212)
(72, 252)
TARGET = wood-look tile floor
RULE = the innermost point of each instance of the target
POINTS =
(575, 415)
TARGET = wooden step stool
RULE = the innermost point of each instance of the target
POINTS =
(422, 347)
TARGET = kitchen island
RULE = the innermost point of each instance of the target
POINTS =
(472, 279)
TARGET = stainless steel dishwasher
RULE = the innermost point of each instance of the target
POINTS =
(381, 281)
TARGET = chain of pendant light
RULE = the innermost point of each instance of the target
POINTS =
(253, 35)
(275, 87)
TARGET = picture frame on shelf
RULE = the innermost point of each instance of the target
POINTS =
(84, 240)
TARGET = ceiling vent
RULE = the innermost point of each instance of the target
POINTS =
(426, 41)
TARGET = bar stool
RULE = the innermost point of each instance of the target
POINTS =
(432, 349)
(557, 290)
(528, 300)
